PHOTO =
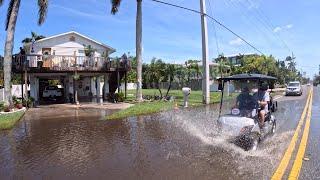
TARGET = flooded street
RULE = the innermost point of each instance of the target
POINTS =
(60, 143)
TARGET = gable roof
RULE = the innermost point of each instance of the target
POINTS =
(81, 35)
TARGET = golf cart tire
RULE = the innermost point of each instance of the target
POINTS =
(248, 141)
(274, 106)
(254, 141)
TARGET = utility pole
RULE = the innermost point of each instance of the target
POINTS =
(205, 53)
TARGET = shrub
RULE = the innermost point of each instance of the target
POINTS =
(2, 106)
(119, 97)
(28, 102)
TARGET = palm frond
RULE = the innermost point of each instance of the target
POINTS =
(115, 6)
(33, 34)
(26, 40)
(43, 9)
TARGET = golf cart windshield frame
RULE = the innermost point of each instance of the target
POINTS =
(242, 77)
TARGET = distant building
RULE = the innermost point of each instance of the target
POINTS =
(235, 59)
(77, 61)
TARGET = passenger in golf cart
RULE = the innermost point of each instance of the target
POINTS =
(262, 97)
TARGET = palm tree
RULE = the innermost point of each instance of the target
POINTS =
(10, 25)
(114, 10)
(34, 36)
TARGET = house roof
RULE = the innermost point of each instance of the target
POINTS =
(76, 33)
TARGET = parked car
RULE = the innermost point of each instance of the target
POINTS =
(51, 92)
(294, 88)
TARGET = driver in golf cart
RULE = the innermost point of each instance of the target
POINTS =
(263, 99)
(245, 102)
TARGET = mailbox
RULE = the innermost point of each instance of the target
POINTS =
(186, 93)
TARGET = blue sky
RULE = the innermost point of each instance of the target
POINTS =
(175, 35)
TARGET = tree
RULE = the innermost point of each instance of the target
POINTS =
(132, 74)
(89, 50)
(181, 74)
(316, 80)
(170, 72)
(10, 25)
(114, 10)
(193, 69)
(224, 65)
(34, 36)
(158, 73)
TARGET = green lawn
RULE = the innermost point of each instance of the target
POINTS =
(7, 121)
(194, 99)
(144, 108)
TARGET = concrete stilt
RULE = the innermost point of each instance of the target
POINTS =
(99, 93)
(106, 86)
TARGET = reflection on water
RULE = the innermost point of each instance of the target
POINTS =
(67, 143)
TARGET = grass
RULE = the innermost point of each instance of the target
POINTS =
(145, 108)
(7, 121)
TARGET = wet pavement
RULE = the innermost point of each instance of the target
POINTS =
(311, 168)
(64, 143)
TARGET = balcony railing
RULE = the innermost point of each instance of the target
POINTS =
(66, 63)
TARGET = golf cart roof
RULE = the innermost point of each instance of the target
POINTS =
(248, 77)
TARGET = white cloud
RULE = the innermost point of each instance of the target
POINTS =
(277, 29)
(236, 42)
(289, 26)
(281, 28)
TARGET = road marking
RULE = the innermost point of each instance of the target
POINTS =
(295, 171)
(287, 155)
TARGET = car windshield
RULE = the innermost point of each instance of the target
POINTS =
(294, 84)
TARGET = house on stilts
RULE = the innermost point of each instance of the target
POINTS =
(79, 64)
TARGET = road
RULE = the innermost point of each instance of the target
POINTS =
(59, 143)
(311, 168)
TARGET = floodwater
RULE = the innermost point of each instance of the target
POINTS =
(60, 143)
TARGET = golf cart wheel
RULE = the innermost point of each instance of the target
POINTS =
(273, 108)
(254, 141)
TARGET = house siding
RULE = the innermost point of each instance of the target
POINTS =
(63, 45)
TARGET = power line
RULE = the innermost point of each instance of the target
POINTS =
(262, 26)
(247, 18)
(215, 20)
(265, 21)
(214, 29)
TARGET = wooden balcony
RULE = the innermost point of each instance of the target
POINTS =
(59, 63)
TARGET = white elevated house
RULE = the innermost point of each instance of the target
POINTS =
(77, 61)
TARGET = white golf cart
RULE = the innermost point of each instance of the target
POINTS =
(238, 118)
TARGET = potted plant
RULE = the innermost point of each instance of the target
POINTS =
(18, 104)
(6, 108)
